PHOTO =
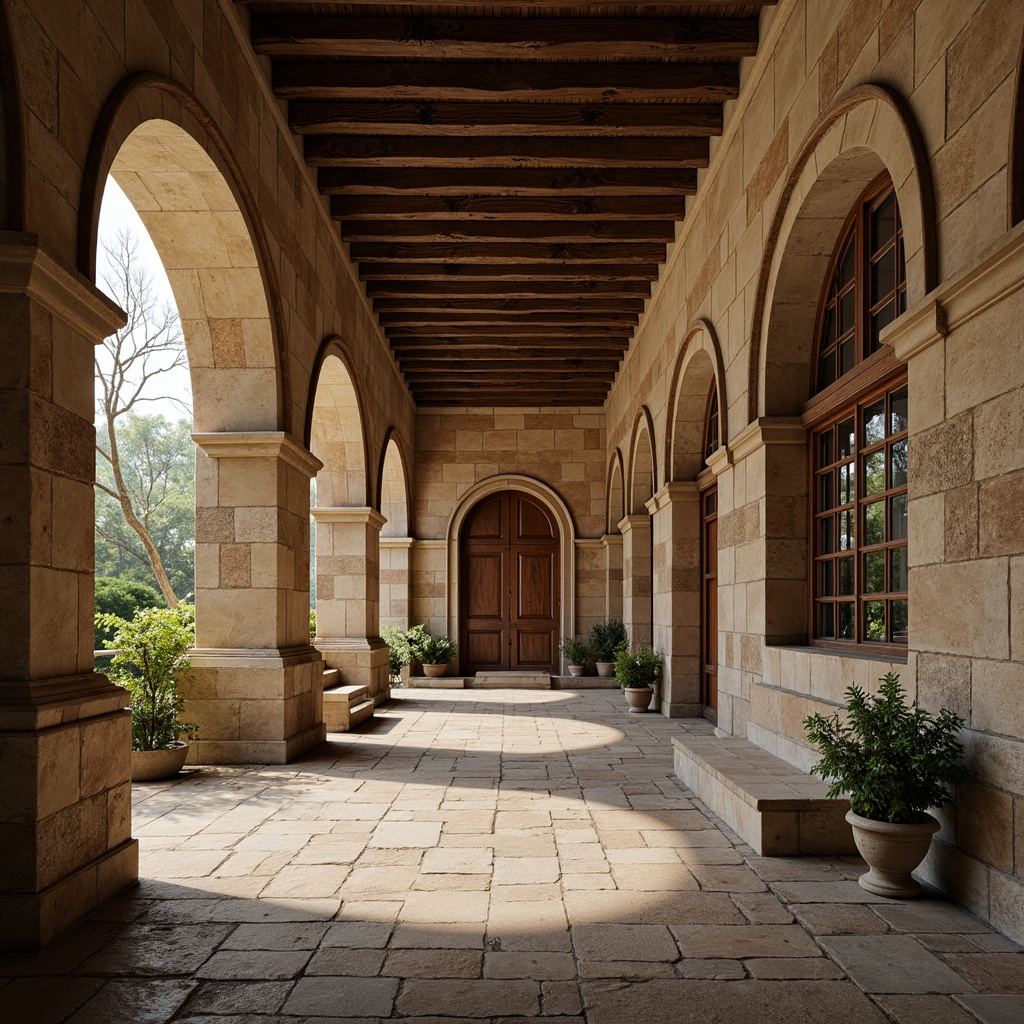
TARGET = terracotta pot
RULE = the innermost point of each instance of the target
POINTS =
(575, 670)
(638, 698)
(892, 852)
(150, 765)
(605, 668)
(435, 670)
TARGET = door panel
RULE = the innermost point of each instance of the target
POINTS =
(709, 601)
(509, 564)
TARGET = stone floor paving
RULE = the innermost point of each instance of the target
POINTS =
(503, 856)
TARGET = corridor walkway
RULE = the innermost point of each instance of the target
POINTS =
(501, 855)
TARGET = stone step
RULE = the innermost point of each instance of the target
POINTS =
(345, 707)
(436, 682)
(332, 677)
(584, 683)
(510, 681)
(359, 713)
(778, 809)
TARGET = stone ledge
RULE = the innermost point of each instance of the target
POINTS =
(778, 809)
(436, 683)
(583, 683)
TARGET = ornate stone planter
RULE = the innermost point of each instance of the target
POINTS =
(892, 852)
(150, 765)
(638, 698)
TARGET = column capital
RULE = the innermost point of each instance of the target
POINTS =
(357, 514)
(398, 543)
(638, 522)
(680, 490)
(769, 430)
(259, 444)
(611, 540)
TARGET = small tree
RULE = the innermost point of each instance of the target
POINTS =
(117, 600)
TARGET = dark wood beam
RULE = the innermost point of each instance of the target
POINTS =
(494, 38)
(435, 321)
(502, 304)
(485, 7)
(507, 396)
(506, 230)
(613, 335)
(366, 117)
(522, 375)
(569, 346)
(388, 270)
(503, 361)
(476, 207)
(507, 181)
(591, 82)
(511, 252)
(379, 151)
(455, 288)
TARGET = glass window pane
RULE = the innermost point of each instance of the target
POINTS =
(825, 449)
(883, 275)
(847, 355)
(898, 611)
(898, 570)
(826, 536)
(883, 222)
(898, 411)
(847, 307)
(898, 464)
(846, 263)
(874, 572)
(847, 438)
(874, 422)
(826, 621)
(898, 517)
(827, 372)
(846, 620)
(846, 577)
(847, 530)
(879, 321)
(874, 522)
(874, 473)
(828, 328)
(826, 492)
(874, 620)
(847, 483)
(902, 271)
(710, 503)
(827, 579)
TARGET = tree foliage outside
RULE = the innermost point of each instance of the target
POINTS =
(119, 599)
(140, 453)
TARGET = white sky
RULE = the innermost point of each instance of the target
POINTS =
(116, 214)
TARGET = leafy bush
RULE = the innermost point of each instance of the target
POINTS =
(154, 648)
(427, 649)
(399, 654)
(894, 760)
(312, 623)
(606, 637)
(637, 666)
(576, 651)
(120, 598)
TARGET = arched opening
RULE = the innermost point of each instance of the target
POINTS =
(615, 509)
(699, 369)
(395, 542)
(10, 135)
(708, 496)
(509, 564)
(637, 552)
(615, 500)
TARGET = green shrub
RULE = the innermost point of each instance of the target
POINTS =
(437, 650)
(399, 654)
(606, 637)
(576, 651)
(121, 598)
(894, 760)
(154, 648)
(312, 623)
(637, 666)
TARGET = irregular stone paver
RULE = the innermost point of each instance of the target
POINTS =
(488, 854)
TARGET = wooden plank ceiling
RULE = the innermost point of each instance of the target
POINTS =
(507, 176)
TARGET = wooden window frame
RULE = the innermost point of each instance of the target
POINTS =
(875, 374)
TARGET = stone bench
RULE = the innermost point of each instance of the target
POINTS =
(778, 809)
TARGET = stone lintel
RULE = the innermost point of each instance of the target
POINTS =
(356, 514)
(253, 657)
(27, 705)
(26, 269)
(680, 490)
(259, 444)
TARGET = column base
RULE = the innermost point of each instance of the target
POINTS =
(681, 710)
(361, 661)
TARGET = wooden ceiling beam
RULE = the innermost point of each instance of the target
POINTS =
(510, 252)
(502, 304)
(440, 321)
(576, 345)
(454, 288)
(508, 181)
(381, 151)
(468, 38)
(389, 270)
(585, 82)
(475, 207)
(462, 120)
(612, 334)
(504, 361)
(506, 230)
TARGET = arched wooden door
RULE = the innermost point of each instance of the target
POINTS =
(509, 556)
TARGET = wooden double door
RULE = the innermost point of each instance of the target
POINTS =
(509, 556)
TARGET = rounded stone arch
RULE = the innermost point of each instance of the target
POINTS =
(643, 463)
(12, 150)
(1015, 161)
(336, 429)
(173, 162)
(615, 501)
(698, 366)
(554, 502)
(393, 498)
(863, 133)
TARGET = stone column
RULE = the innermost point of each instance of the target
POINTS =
(65, 736)
(348, 597)
(612, 544)
(636, 577)
(675, 522)
(395, 581)
(256, 685)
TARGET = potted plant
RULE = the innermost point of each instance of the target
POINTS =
(894, 761)
(604, 639)
(432, 652)
(152, 650)
(399, 654)
(637, 669)
(576, 653)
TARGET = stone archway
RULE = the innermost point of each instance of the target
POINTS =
(641, 483)
(11, 175)
(611, 542)
(395, 542)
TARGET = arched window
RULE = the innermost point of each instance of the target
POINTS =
(858, 436)
(711, 423)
